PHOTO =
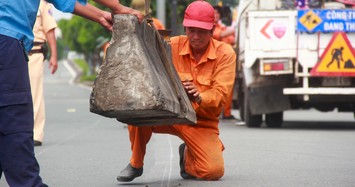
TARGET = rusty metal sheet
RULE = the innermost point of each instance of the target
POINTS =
(137, 83)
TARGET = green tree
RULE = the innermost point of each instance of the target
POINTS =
(61, 49)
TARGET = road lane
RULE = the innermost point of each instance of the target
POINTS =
(82, 149)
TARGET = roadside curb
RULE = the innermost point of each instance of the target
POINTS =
(76, 73)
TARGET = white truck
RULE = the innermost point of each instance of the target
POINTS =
(291, 58)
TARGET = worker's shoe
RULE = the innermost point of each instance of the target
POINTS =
(129, 173)
(183, 173)
(231, 117)
(37, 143)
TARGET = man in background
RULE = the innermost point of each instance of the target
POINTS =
(102, 45)
(44, 31)
(227, 35)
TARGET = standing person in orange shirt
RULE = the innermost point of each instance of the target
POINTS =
(206, 68)
(222, 33)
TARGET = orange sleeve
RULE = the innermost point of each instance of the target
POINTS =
(217, 33)
(158, 25)
(222, 78)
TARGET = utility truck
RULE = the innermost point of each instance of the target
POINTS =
(293, 57)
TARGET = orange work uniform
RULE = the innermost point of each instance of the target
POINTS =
(214, 78)
(230, 39)
(157, 24)
(219, 28)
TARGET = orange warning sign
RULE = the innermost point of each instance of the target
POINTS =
(310, 20)
(338, 58)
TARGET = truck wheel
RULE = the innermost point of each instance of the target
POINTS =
(240, 98)
(250, 120)
(274, 120)
(241, 106)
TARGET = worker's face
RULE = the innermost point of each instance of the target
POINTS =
(198, 38)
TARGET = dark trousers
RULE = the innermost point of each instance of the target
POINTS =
(17, 159)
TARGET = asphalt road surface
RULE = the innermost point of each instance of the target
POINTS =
(82, 149)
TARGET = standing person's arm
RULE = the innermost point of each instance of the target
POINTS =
(49, 25)
(227, 32)
(117, 8)
(52, 43)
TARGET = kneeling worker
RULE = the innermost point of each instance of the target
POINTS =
(207, 70)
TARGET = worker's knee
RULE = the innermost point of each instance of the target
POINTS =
(212, 172)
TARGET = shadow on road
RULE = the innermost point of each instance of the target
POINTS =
(329, 125)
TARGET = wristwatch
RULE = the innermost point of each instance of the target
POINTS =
(198, 99)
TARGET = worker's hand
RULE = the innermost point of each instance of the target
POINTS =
(106, 20)
(126, 10)
(102, 17)
(53, 65)
(95, 14)
(192, 91)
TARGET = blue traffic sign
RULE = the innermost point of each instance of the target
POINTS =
(315, 20)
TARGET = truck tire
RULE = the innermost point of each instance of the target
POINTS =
(241, 105)
(240, 97)
(250, 120)
(274, 120)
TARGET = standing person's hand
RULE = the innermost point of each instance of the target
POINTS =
(92, 13)
(52, 44)
(117, 8)
(53, 65)
(126, 10)
(102, 17)
(106, 20)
